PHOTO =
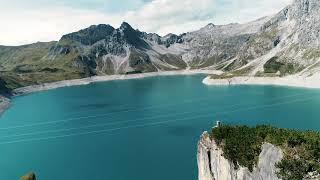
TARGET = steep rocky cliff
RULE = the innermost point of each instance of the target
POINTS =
(213, 166)
(258, 153)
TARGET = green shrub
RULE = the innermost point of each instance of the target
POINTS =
(242, 146)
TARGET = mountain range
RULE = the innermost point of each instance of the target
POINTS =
(279, 45)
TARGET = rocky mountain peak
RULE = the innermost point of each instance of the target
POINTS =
(287, 42)
(131, 36)
(126, 27)
(210, 26)
(170, 39)
(90, 35)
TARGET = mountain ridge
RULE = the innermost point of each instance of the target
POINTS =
(280, 45)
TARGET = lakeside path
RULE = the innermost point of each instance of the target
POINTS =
(292, 81)
(85, 81)
(5, 102)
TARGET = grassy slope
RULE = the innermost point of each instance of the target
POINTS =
(29, 64)
(242, 145)
(13, 56)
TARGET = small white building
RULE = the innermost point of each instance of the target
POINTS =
(218, 124)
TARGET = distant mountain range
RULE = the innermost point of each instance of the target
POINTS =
(283, 44)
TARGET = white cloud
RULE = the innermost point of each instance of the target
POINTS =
(248, 10)
(20, 26)
(159, 15)
(45, 25)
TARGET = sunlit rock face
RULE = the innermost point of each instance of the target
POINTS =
(289, 38)
(213, 166)
(283, 44)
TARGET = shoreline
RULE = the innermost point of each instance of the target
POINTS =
(94, 79)
(4, 104)
(312, 82)
(291, 81)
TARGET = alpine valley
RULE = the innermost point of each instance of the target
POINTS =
(282, 49)
(280, 45)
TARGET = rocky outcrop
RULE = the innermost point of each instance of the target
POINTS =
(213, 166)
(29, 176)
(4, 104)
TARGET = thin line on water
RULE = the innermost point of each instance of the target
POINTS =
(101, 115)
(149, 124)
(97, 125)
(96, 116)
(111, 123)
(133, 108)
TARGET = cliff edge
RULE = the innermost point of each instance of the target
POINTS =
(213, 166)
(258, 153)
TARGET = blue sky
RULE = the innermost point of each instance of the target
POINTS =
(27, 21)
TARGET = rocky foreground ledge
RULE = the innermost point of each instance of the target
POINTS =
(258, 153)
(29, 176)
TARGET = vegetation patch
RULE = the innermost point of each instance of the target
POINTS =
(141, 62)
(222, 76)
(243, 71)
(174, 60)
(235, 65)
(13, 80)
(274, 66)
(3, 87)
(232, 74)
(242, 145)
(311, 54)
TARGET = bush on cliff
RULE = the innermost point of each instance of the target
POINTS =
(242, 146)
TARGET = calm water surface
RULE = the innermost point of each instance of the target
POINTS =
(136, 129)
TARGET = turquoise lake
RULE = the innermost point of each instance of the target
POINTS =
(136, 129)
